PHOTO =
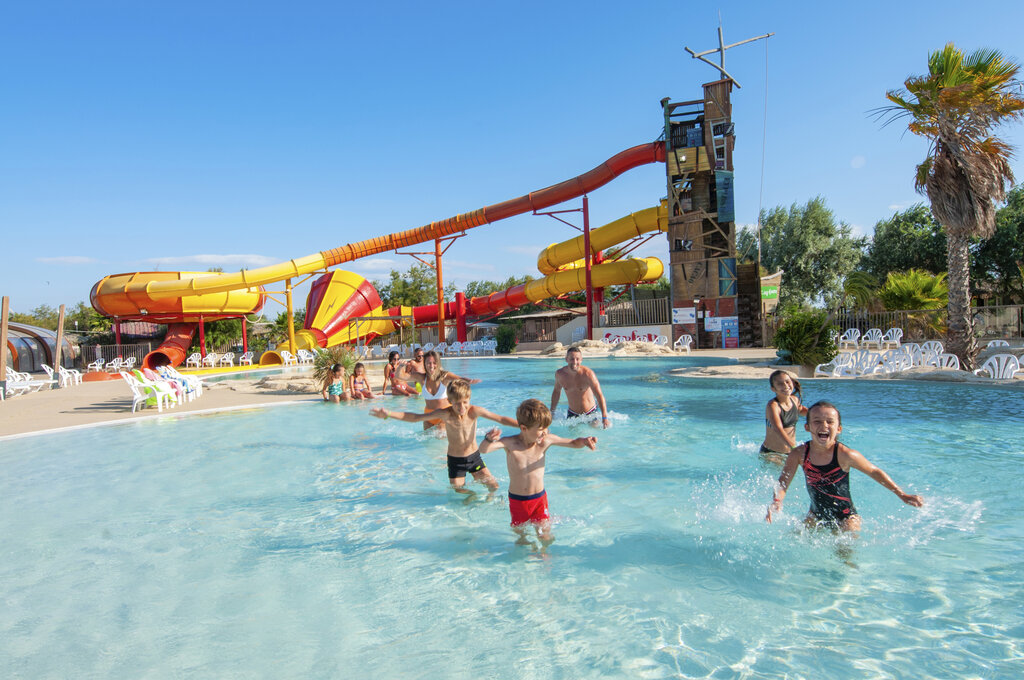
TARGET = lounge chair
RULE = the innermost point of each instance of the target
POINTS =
(945, 360)
(245, 359)
(304, 356)
(683, 343)
(932, 346)
(25, 380)
(194, 382)
(288, 359)
(851, 338)
(873, 337)
(997, 343)
(441, 348)
(831, 368)
(864, 363)
(892, 338)
(1000, 367)
(194, 359)
(159, 385)
(143, 395)
(455, 349)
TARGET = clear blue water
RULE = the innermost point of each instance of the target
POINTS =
(312, 541)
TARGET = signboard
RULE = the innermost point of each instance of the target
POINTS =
(724, 196)
(769, 292)
(713, 323)
(684, 315)
(627, 333)
(730, 327)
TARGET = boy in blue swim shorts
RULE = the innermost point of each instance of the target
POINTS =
(526, 454)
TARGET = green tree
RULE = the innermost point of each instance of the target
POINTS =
(746, 246)
(808, 335)
(415, 287)
(483, 288)
(860, 290)
(967, 171)
(914, 289)
(815, 253)
(911, 239)
(999, 259)
(43, 316)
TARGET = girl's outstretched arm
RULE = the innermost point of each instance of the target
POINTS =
(858, 461)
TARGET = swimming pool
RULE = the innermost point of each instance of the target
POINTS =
(310, 540)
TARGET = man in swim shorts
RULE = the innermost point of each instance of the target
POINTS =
(826, 464)
(582, 390)
(526, 454)
(460, 421)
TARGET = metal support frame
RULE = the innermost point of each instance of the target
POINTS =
(357, 320)
(587, 255)
(438, 252)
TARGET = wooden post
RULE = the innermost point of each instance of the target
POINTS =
(5, 308)
(60, 341)
(291, 316)
(440, 290)
(587, 263)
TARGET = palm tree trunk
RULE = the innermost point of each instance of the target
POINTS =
(960, 322)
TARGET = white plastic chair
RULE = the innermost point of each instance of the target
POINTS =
(114, 364)
(864, 362)
(227, 359)
(683, 343)
(831, 368)
(455, 349)
(1000, 367)
(141, 394)
(128, 363)
(185, 386)
(932, 346)
(850, 338)
(997, 343)
(945, 360)
(304, 356)
(288, 358)
(211, 360)
(892, 338)
(194, 381)
(873, 337)
(490, 347)
(160, 386)
(245, 359)
(427, 347)
(195, 359)
(96, 365)
(441, 348)
(661, 341)
(70, 375)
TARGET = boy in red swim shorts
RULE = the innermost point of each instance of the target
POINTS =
(526, 453)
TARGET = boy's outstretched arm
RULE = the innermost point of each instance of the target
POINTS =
(404, 416)
(492, 441)
(578, 443)
(555, 394)
(788, 470)
(504, 420)
(876, 473)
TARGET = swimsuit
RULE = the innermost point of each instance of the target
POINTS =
(569, 413)
(789, 418)
(360, 385)
(765, 449)
(336, 389)
(442, 392)
(829, 489)
(458, 467)
(532, 508)
(428, 409)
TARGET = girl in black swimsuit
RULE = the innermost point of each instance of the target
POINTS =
(780, 416)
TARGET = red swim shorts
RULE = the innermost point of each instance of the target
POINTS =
(525, 509)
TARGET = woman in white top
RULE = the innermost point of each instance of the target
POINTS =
(435, 383)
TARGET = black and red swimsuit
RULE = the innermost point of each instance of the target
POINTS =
(829, 488)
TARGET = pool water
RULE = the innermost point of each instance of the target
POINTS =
(313, 541)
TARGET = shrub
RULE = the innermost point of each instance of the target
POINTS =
(506, 338)
(325, 359)
(808, 335)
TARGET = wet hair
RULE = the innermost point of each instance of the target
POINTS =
(825, 404)
(459, 390)
(355, 369)
(796, 383)
(533, 413)
(392, 354)
(574, 348)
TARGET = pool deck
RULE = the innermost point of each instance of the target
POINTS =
(93, 403)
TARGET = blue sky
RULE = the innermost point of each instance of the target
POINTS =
(187, 135)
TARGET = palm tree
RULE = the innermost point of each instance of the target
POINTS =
(967, 171)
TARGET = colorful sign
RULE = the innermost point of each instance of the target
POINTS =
(769, 292)
(730, 327)
(713, 324)
(628, 333)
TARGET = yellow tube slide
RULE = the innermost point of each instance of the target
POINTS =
(567, 254)
(619, 273)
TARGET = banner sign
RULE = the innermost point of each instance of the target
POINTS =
(769, 292)
(684, 315)
(628, 333)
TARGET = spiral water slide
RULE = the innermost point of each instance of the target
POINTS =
(182, 297)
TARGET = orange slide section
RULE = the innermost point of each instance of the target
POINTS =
(187, 297)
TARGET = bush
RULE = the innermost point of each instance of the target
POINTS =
(324, 360)
(808, 335)
(506, 338)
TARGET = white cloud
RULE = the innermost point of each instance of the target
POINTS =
(232, 261)
(857, 162)
(67, 259)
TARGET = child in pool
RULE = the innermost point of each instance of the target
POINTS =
(781, 416)
(398, 387)
(526, 454)
(360, 387)
(460, 421)
(826, 465)
(334, 386)
(435, 382)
